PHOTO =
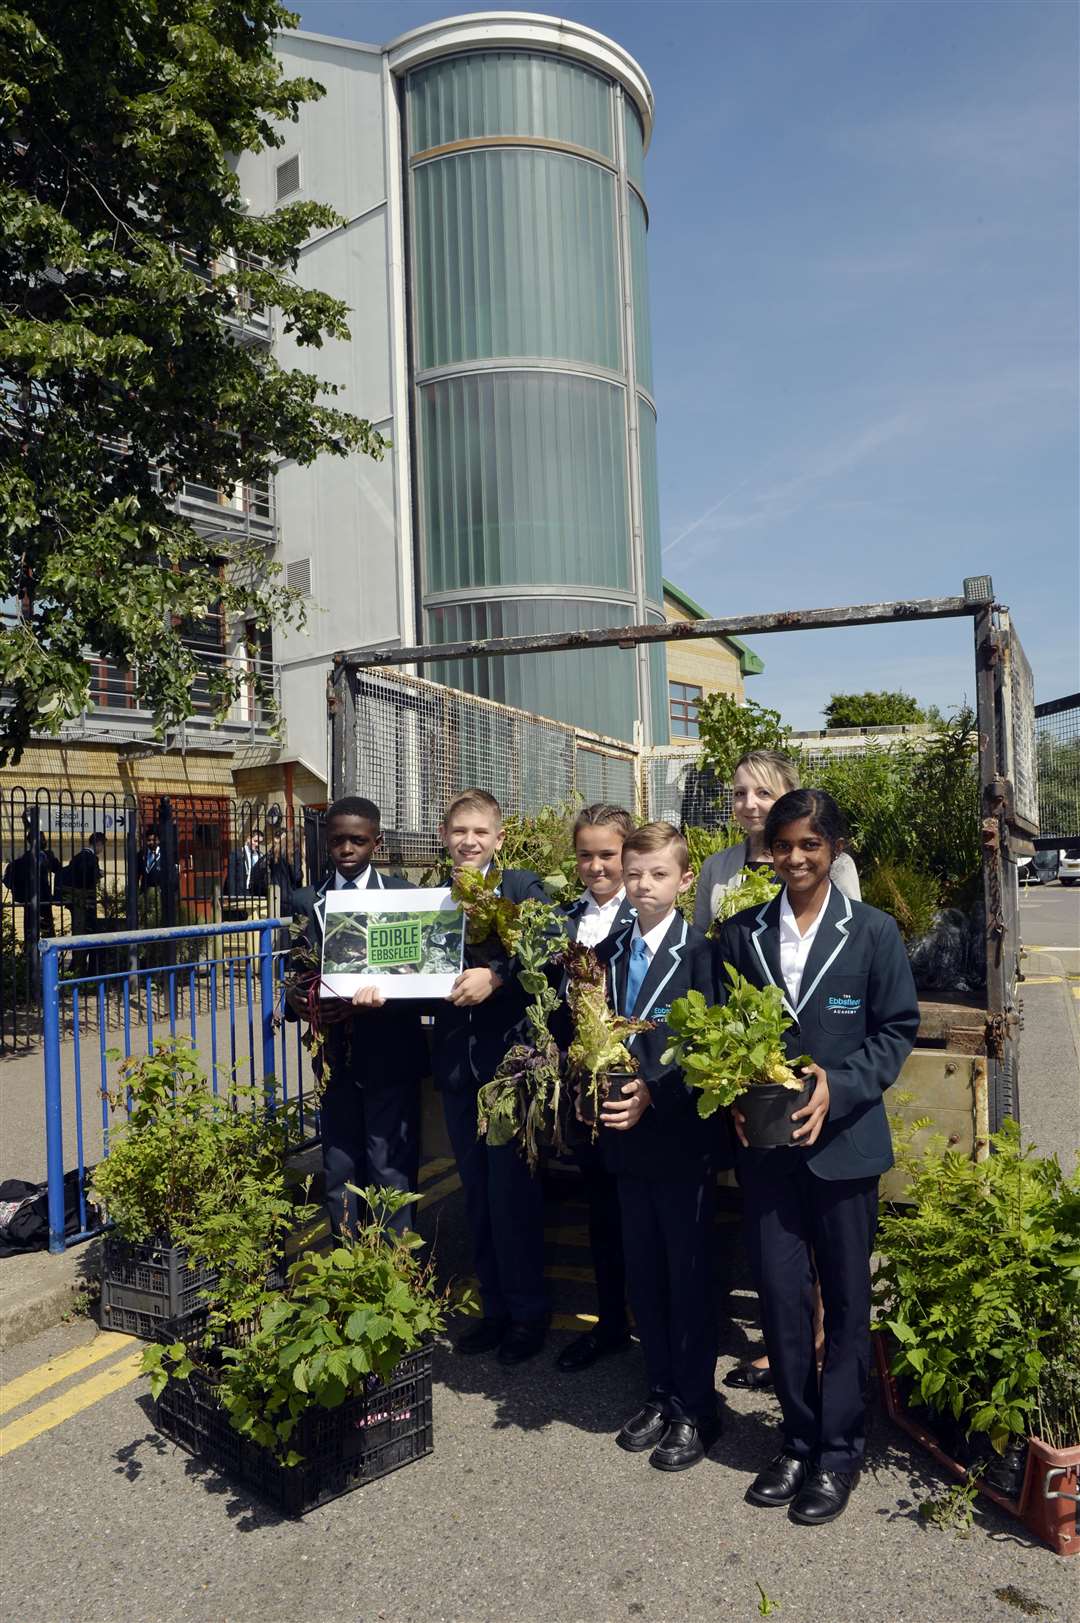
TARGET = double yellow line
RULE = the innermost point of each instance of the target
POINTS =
(16, 1394)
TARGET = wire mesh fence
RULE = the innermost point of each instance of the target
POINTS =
(1057, 729)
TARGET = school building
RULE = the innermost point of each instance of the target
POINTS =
(489, 171)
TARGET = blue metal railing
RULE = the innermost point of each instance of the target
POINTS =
(140, 1000)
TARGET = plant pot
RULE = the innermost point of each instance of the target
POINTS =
(767, 1109)
(610, 1087)
(1050, 1498)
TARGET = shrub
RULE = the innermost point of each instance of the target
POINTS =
(911, 897)
(730, 730)
(873, 710)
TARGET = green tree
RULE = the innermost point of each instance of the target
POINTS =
(873, 710)
(125, 247)
(729, 730)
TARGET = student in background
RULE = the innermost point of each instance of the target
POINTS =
(245, 873)
(18, 877)
(377, 1055)
(483, 1017)
(664, 1156)
(810, 1210)
(149, 869)
(601, 909)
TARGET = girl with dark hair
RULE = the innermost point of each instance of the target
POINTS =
(811, 1207)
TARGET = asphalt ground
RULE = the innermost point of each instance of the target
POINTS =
(526, 1509)
(1050, 1005)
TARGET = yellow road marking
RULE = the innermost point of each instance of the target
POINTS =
(573, 1321)
(578, 1276)
(438, 1191)
(83, 1396)
(431, 1169)
(1042, 980)
(25, 1387)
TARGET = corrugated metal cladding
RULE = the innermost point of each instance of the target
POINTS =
(509, 93)
(522, 383)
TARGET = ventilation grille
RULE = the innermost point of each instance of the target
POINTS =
(298, 575)
(288, 177)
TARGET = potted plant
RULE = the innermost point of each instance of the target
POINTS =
(598, 1057)
(522, 1099)
(978, 1293)
(735, 1051)
(194, 1186)
(309, 1391)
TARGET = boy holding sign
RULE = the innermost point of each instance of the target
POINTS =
(375, 1051)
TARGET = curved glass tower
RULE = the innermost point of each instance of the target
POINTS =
(533, 422)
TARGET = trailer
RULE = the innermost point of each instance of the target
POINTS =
(410, 743)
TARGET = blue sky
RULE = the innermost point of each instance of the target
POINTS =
(863, 261)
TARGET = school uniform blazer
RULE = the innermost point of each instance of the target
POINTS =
(857, 1017)
(671, 1140)
(388, 1044)
(470, 1043)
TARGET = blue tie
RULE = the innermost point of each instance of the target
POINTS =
(635, 974)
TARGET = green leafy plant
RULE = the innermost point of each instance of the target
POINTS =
(1057, 1399)
(702, 843)
(912, 897)
(192, 1168)
(766, 1605)
(952, 1510)
(544, 842)
(753, 887)
(344, 1319)
(979, 1282)
(521, 1101)
(729, 730)
(599, 1044)
(724, 1049)
(883, 709)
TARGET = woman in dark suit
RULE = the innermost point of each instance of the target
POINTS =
(848, 987)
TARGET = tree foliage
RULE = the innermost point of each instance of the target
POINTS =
(730, 730)
(874, 710)
(125, 249)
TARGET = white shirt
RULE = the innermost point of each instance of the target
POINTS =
(362, 881)
(595, 923)
(653, 939)
(795, 948)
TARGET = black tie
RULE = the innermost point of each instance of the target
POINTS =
(350, 884)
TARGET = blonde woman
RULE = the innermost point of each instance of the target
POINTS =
(761, 777)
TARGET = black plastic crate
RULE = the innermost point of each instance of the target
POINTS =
(364, 1438)
(146, 1284)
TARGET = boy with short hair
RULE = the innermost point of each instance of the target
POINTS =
(661, 1153)
(601, 909)
(481, 1019)
(370, 1110)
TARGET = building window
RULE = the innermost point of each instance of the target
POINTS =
(684, 701)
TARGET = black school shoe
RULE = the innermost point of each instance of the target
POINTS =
(483, 1337)
(780, 1483)
(824, 1497)
(522, 1340)
(749, 1375)
(584, 1350)
(643, 1430)
(684, 1444)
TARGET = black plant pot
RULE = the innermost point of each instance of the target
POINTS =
(611, 1087)
(767, 1109)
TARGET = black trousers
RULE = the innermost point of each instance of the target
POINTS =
(789, 1213)
(504, 1208)
(370, 1135)
(605, 1235)
(668, 1234)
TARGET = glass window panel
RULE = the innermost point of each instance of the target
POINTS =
(650, 504)
(514, 253)
(496, 93)
(639, 268)
(634, 137)
(523, 481)
(592, 688)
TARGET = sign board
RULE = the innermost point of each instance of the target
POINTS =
(112, 821)
(408, 943)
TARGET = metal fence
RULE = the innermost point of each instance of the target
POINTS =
(97, 863)
(221, 987)
(1057, 743)
(411, 744)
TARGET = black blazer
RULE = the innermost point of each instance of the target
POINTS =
(671, 1140)
(857, 1017)
(374, 1046)
(572, 913)
(470, 1043)
(237, 880)
(561, 1025)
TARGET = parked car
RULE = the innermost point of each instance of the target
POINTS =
(1069, 867)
